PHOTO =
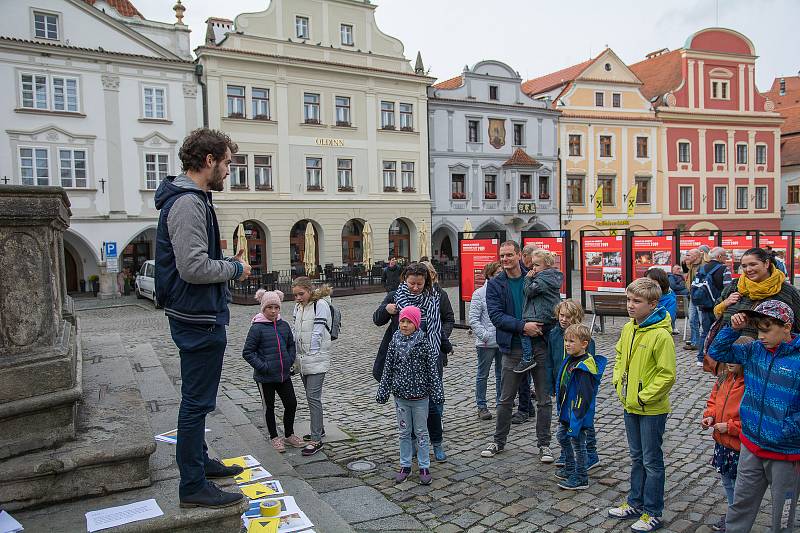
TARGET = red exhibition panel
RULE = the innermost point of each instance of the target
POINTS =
(603, 264)
(554, 245)
(651, 252)
(780, 245)
(690, 242)
(475, 254)
(736, 246)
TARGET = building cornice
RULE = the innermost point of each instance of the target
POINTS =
(472, 104)
(678, 115)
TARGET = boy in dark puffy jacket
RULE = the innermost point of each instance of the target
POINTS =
(770, 414)
(270, 350)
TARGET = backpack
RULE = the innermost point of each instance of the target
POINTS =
(703, 293)
(336, 321)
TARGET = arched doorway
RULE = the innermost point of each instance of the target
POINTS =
(399, 240)
(71, 271)
(138, 250)
(446, 248)
(352, 246)
(256, 246)
(297, 246)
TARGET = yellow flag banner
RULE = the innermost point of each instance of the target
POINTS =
(632, 200)
(598, 202)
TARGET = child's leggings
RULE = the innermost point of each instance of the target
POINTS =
(285, 391)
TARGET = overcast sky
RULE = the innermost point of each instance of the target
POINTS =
(537, 37)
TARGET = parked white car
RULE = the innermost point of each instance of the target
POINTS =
(146, 282)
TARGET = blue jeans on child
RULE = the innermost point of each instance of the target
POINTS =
(728, 483)
(645, 438)
(534, 345)
(413, 415)
(574, 450)
(485, 358)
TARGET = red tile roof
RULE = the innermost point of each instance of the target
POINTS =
(792, 96)
(123, 7)
(792, 122)
(554, 79)
(790, 151)
(660, 74)
(520, 159)
(452, 83)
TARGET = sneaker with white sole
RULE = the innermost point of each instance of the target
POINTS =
(574, 483)
(545, 454)
(624, 511)
(593, 462)
(523, 366)
(647, 523)
(491, 450)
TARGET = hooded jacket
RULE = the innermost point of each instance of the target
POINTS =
(644, 371)
(191, 274)
(479, 321)
(723, 406)
(770, 409)
(313, 338)
(678, 284)
(500, 305)
(269, 349)
(670, 302)
(577, 392)
(556, 354)
(542, 295)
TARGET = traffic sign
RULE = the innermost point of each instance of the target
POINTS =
(111, 249)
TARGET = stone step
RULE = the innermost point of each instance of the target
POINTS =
(113, 441)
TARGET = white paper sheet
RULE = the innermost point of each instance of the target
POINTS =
(123, 514)
(8, 524)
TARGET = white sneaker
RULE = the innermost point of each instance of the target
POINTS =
(491, 450)
(647, 523)
(624, 511)
(545, 454)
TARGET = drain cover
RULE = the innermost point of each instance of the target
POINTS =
(361, 466)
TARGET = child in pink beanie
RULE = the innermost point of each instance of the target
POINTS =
(412, 376)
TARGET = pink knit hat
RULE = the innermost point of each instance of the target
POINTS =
(269, 297)
(413, 314)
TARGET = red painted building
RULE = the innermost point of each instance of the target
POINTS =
(719, 134)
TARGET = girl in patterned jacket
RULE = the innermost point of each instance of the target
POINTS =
(412, 376)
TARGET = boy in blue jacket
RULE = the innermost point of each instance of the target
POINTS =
(578, 383)
(770, 415)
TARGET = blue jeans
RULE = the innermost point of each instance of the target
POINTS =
(694, 323)
(413, 414)
(574, 451)
(485, 358)
(533, 345)
(201, 348)
(706, 321)
(728, 484)
(591, 447)
(645, 438)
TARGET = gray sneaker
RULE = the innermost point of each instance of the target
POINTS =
(519, 417)
(545, 454)
(484, 414)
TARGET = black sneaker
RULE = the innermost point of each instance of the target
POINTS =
(523, 366)
(211, 496)
(519, 417)
(215, 469)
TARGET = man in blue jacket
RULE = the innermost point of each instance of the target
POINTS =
(192, 285)
(504, 301)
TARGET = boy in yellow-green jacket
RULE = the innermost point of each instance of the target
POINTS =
(644, 373)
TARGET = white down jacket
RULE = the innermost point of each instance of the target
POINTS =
(313, 341)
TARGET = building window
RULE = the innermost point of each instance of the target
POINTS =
(457, 191)
(721, 198)
(641, 148)
(575, 190)
(155, 102)
(45, 25)
(719, 89)
(235, 101)
(72, 167)
(490, 186)
(313, 173)
(794, 194)
(301, 27)
(719, 153)
(493, 92)
(518, 134)
(598, 99)
(311, 108)
(741, 198)
(605, 146)
(239, 172)
(574, 145)
(473, 127)
(389, 176)
(761, 198)
(643, 190)
(65, 94)
(344, 174)
(684, 152)
(56, 93)
(406, 117)
(346, 32)
(260, 104)
(544, 187)
(156, 168)
(525, 186)
(607, 183)
(34, 91)
(616, 100)
(761, 154)
(262, 165)
(741, 154)
(407, 169)
(34, 166)
(343, 111)
(685, 198)
(387, 115)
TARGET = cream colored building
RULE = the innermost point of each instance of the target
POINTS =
(330, 119)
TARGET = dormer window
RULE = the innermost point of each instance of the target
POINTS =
(301, 27)
(493, 92)
(45, 25)
(720, 89)
(346, 32)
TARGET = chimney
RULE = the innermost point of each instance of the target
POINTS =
(783, 87)
(216, 29)
(657, 53)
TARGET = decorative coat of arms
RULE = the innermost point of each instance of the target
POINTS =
(497, 132)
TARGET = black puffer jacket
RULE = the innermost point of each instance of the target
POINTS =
(270, 350)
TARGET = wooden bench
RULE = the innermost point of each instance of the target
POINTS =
(605, 305)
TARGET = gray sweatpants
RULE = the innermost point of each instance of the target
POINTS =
(753, 477)
(313, 386)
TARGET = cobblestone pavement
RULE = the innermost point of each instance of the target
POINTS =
(511, 492)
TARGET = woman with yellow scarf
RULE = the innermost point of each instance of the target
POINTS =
(761, 281)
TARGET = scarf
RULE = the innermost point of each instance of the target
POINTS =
(428, 303)
(403, 344)
(761, 290)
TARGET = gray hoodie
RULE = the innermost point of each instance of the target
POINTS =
(542, 294)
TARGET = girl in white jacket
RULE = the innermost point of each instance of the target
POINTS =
(485, 343)
(312, 323)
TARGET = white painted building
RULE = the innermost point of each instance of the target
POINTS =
(98, 100)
